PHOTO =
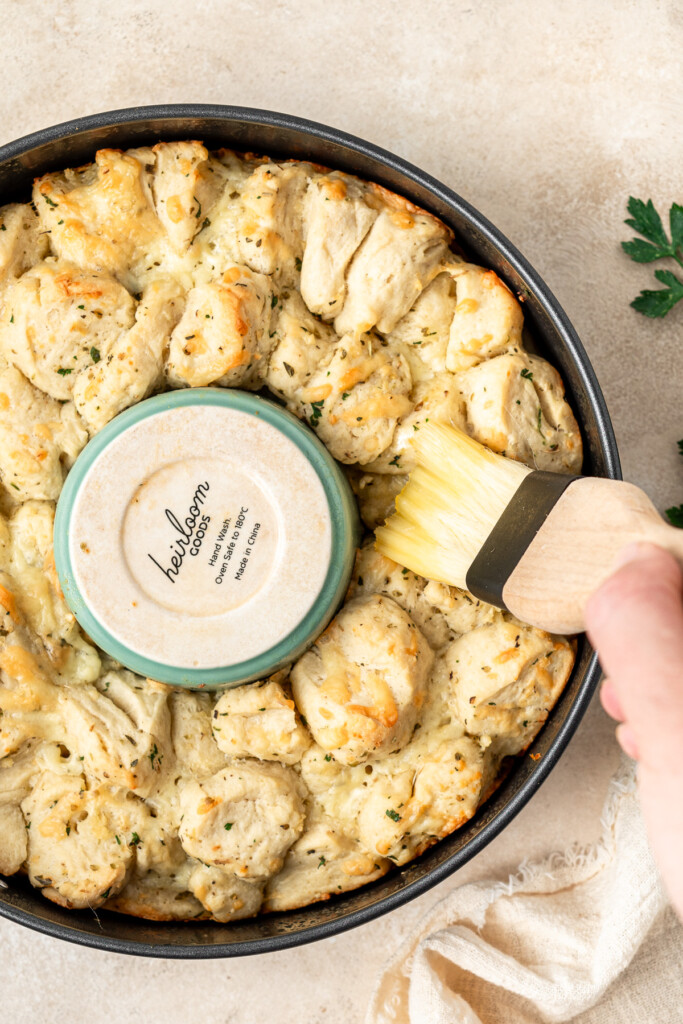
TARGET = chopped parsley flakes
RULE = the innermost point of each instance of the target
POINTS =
(317, 408)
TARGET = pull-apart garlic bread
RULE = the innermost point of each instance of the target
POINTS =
(173, 267)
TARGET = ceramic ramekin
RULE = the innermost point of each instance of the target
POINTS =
(205, 537)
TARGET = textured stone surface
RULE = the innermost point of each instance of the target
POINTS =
(546, 117)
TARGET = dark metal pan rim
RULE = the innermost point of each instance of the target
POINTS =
(24, 157)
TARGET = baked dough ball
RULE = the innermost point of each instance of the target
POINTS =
(28, 696)
(13, 842)
(58, 320)
(423, 333)
(158, 897)
(101, 217)
(33, 585)
(354, 401)
(516, 405)
(218, 245)
(336, 219)
(259, 721)
(225, 897)
(376, 494)
(487, 319)
(401, 803)
(461, 610)
(121, 728)
(134, 365)
(223, 336)
(399, 256)
(436, 400)
(258, 219)
(158, 883)
(195, 748)
(269, 220)
(16, 777)
(422, 797)
(81, 842)
(504, 678)
(440, 611)
(301, 346)
(185, 183)
(323, 862)
(40, 438)
(22, 244)
(361, 685)
(243, 819)
(374, 573)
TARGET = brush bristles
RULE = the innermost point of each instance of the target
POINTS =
(453, 499)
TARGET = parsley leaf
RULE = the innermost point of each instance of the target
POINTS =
(95, 354)
(658, 302)
(317, 408)
(63, 372)
(394, 815)
(656, 245)
(675, 515)
(646, 221)
(153, 756)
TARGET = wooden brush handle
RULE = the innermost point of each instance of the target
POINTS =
(575, 550)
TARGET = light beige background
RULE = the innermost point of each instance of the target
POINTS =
(546, 116)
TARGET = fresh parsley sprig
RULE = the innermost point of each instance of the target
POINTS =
(656, 245)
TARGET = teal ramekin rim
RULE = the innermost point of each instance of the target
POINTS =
(345, 529)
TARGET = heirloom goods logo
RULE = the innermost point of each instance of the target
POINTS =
(190, 532)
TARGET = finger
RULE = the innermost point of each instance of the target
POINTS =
(627, 741)
(635, 620)
(610, 701)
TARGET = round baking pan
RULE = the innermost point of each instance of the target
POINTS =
(261, 131)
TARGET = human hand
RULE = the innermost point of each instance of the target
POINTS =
(635, 622)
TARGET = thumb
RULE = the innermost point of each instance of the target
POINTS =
(635, 621)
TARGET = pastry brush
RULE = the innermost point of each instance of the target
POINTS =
(536, 543)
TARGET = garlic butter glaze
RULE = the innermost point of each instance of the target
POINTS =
(205, 538)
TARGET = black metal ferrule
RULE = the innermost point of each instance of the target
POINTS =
(502, 550)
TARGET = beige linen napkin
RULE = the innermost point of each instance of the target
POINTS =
(550, 944)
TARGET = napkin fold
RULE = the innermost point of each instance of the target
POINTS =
(584, 936)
